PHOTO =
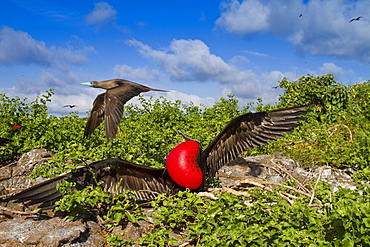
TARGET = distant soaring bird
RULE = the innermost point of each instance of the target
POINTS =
(109, 106)
(70, 106)
(187, 165)
(356, 19)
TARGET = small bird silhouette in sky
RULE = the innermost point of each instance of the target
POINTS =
(355, 19)
(70, 106)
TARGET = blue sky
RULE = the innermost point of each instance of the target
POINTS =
(199, 50)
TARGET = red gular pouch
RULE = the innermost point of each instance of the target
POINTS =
(182, 165)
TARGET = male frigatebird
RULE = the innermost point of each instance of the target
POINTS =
(186, 165)
(108, 106)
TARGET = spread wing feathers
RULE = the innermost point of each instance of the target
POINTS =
(96, 115)
(115, 99)
(145, 182)
(248, 131)
(44, 193)
(117, 175)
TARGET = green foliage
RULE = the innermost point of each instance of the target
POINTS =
(269, 221)
(95, 202)
(147, 133)
(336, 133)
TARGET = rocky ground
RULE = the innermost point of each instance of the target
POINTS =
(27, 229)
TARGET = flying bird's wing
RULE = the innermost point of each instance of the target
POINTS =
(96, 115)
(356, 19)
(115, 99)
(248, 131)
(117, 175)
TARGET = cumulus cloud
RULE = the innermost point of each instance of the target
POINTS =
(323, 28)
(272, 78)
(246, 17)
(192, 61)
(53, 63)
(102, 14)
(18, 47)
(187, 98)
(185, 60)
(331, 68)
(139, 74)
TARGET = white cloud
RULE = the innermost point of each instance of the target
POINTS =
(187, 98)
(191, 60)
(323, 28)
(256, 53)
(102, 14)
(18, 47)
(139, 74)
(186, 60)
(272, 78)
(246, 17)
(331, 68)
(239, 60)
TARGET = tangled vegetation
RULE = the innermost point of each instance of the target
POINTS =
(336, 133)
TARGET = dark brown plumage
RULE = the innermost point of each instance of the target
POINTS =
(241, 133)
(355, 19)
(109, 106)
(118, 175)
(70, 106)
(248, 131)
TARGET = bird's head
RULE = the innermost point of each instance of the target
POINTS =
(108, 84)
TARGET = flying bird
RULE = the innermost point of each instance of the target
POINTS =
(187, 166)
(109, 106)
(355, 19)
(70, 106)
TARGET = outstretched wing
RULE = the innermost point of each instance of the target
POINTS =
(146, 182)
(117, 175)
(115, 99)
(248, 131)
(96, 115)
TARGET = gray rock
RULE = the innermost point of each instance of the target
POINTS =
(52, 232)
(58, 232)
(13, 177)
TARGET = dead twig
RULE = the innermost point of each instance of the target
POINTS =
(19, 212)
(290, 175)
(317, 182)
(262, 184)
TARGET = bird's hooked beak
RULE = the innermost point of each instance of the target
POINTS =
(186, 138)
(90, 84)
